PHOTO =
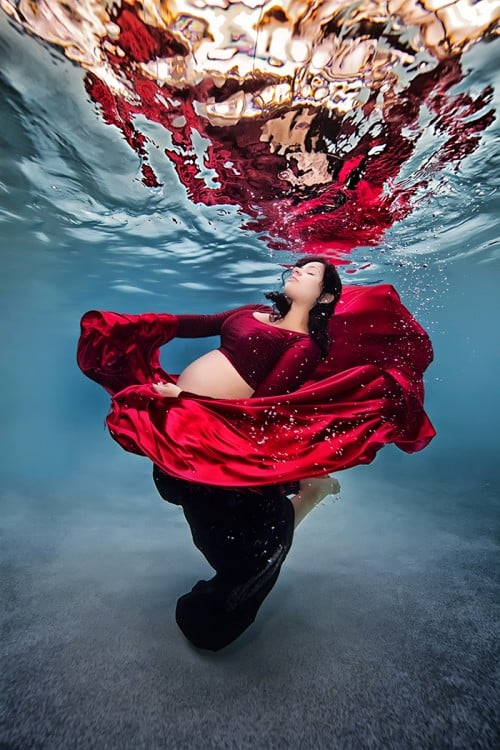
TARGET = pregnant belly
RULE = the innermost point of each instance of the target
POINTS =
(213, 375)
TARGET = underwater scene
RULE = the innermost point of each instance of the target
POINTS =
(162, 159)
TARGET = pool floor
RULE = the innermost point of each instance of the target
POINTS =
(379, 633)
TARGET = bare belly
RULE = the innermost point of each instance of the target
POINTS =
(213, 375)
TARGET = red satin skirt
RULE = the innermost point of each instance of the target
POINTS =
(367, 393)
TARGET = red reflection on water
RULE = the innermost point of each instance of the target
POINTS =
(310, 179)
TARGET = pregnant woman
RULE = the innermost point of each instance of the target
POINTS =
(266, 353)
(293, 391)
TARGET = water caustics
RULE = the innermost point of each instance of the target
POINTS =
(301, 114)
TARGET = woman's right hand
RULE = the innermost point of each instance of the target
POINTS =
(169, 390)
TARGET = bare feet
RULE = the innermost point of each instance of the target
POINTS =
(315, 490)
(311, 492)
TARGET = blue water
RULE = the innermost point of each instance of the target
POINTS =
(381, 629)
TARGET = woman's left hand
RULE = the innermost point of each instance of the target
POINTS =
(167, 389)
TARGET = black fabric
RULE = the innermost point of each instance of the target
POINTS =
(245, 534)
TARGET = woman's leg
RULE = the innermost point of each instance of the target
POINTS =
(311, 492)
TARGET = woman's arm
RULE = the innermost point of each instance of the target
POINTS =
(194, 326)
(294, 368)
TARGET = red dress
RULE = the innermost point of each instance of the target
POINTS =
(368, 392)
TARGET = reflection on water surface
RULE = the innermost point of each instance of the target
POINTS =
(313, 119)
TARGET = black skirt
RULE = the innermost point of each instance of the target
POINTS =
(245, 534)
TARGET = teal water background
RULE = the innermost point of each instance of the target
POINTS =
(381, 630)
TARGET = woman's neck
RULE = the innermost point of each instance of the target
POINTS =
(297, 318)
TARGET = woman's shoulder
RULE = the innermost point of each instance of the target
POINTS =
(259, 306)
(250, 309)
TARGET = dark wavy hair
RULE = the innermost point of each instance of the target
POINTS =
(320, 314)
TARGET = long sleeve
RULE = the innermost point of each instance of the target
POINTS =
(118, 350)
(294, 367)
(197, 326)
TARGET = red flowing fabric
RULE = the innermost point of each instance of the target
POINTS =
(367, 393)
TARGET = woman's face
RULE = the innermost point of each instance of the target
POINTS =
(305, 283)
